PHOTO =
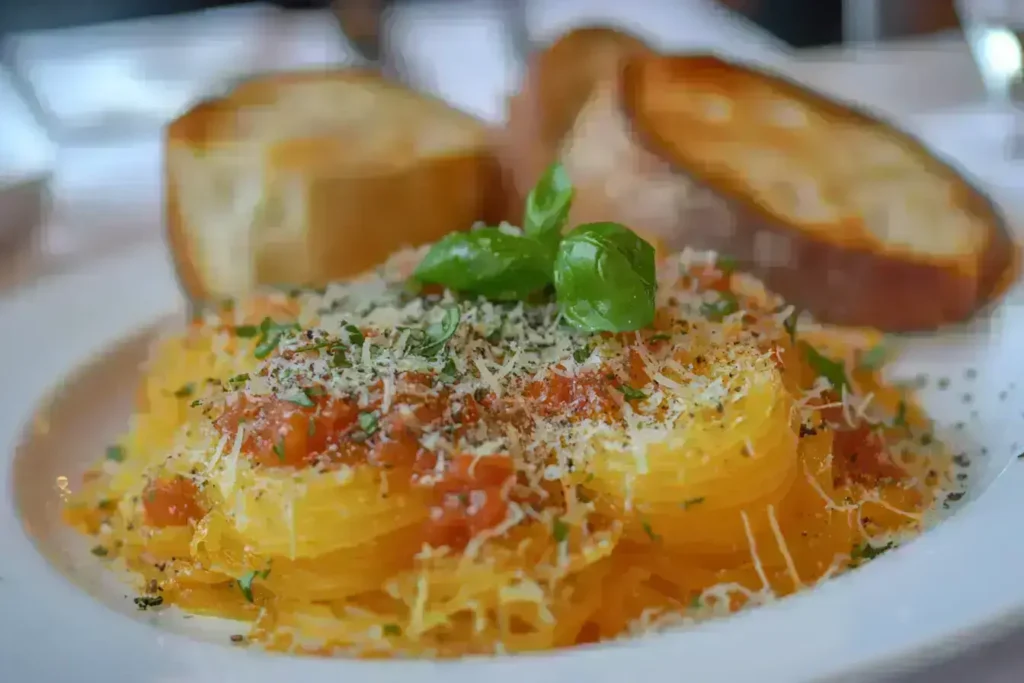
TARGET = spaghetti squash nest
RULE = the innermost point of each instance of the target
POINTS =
(373, 472)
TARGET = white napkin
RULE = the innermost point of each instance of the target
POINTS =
(143, 72)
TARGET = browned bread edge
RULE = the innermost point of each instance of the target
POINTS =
(838, 284)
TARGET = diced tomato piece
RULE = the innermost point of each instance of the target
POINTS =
(173, 501)
(584, 395)
(711, 278)
(638, 376)
(859, 455)
(484, 470)
(460, 516)
(280, 432)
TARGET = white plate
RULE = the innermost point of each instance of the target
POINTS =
(65, 619)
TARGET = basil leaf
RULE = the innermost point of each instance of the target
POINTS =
(547, 206)
(437, 335)
(604, 278)
(832, 370)
(488, 262)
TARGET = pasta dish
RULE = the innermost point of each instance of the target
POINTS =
(392, 467)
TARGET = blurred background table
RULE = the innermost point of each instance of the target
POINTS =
(107, 178)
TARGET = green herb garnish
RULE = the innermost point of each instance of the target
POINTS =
(603, 273)
(353, 335)
(247, 331)
(559, 530)
(832, 370)
(630, 393)
(392, 630)
(239, 379)
(279, 449)
(368, 422)
(185, 391)
(547, 207)
(789, 324)
(115, 453)
(299, 397)
(449, 372)
(687, 504)
(865, 551)
(581, 354)
(488, 262)
(245, 583)
(901, 415)
(649, 531)
(270, 335)
(100, 551)
(605, 278)
(144, 602)
(430, 342)
(726, 304)
(725, 264)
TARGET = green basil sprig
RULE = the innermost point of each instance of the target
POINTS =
(547, 207)
(489, 263)
(603, 273)
(604, 278)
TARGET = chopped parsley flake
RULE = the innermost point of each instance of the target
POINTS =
(726, 304)
(185, 391)
(649, 531)
(789, 324)
(687, 504)
(392, 630)
(832, 370)
(873, 358)
(581, 354)
(630, 393)
(368, 422)
(901, 415)
(245, 583)
(559, 530)
(115, 453)
(431, 340)
(144, 602)
(865, 551)
(299, 397)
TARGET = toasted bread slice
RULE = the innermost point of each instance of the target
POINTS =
(560, 80)
(303, 178)
(837, 211)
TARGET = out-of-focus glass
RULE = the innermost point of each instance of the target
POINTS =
(995, 32)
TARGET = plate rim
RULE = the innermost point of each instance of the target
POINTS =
(160, 656)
